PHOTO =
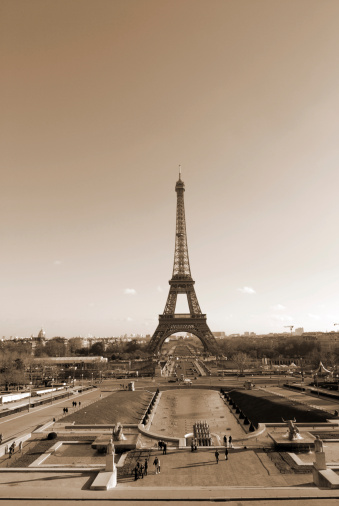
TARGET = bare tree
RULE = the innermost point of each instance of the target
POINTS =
(242, 360)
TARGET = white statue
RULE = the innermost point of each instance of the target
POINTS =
(318, 445)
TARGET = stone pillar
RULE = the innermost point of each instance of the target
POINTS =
(320, 461)
(110, 465)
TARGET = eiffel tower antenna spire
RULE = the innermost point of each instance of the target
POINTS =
(182, 283)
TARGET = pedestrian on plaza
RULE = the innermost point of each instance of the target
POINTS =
(192, 446)
(75, 404)
(66, 410)
(20, 447)
(11, 449)
(136, 473)
(226, 453)
(79, 404)
(164, 448)
(225, 440)
(145, 467)
(230, 441)
(217, 456)
(141, 471)
(156, 463)
(0, 438)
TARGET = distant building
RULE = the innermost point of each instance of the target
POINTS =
(219, 335)
(299, 331)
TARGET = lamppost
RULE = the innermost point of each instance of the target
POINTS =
(29, 398)
(316, 379)
(302, 369)
(82, 381)
(52, 391)
(92, 380)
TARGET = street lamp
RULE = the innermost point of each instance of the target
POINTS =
(29, 398)
(52, 391)
(92, 380)
(82, 381)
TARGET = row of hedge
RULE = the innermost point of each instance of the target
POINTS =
(238, 411)
(266, 407)
(150, 407)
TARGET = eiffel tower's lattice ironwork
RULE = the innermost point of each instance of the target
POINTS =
(182, 283)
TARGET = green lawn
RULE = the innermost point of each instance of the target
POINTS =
(122, 406)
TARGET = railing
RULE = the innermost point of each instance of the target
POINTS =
(183, 315)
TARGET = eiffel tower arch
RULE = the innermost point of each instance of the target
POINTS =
(194, 322)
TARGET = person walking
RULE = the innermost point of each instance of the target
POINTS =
(230, 441)
(217, 456)
(155, 463)
(145, 467)
(136, 473)
(225, 440)
(164, 448)
(141, 471)
(226, 453)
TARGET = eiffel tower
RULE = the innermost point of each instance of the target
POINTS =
(182, 283)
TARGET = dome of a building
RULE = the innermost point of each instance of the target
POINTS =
(42, 333)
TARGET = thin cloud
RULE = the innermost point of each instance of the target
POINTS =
(57, 262)
(281, 317)
(247, 289)
(314, 316)
(278, 307)
(129, 291)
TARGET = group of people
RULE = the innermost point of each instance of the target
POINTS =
(12, 447)
(162, 445)
(217, 454)
(74, 404)
(229, 441)
(140, 470)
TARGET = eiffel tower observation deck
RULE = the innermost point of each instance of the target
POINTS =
(182, 282)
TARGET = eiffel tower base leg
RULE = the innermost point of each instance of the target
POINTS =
(197, 326)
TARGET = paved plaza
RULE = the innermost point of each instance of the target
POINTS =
(251, 475)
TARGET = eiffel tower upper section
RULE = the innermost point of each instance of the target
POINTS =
(181, 267)
(181, 281)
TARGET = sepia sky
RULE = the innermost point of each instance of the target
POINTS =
(101, 100)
